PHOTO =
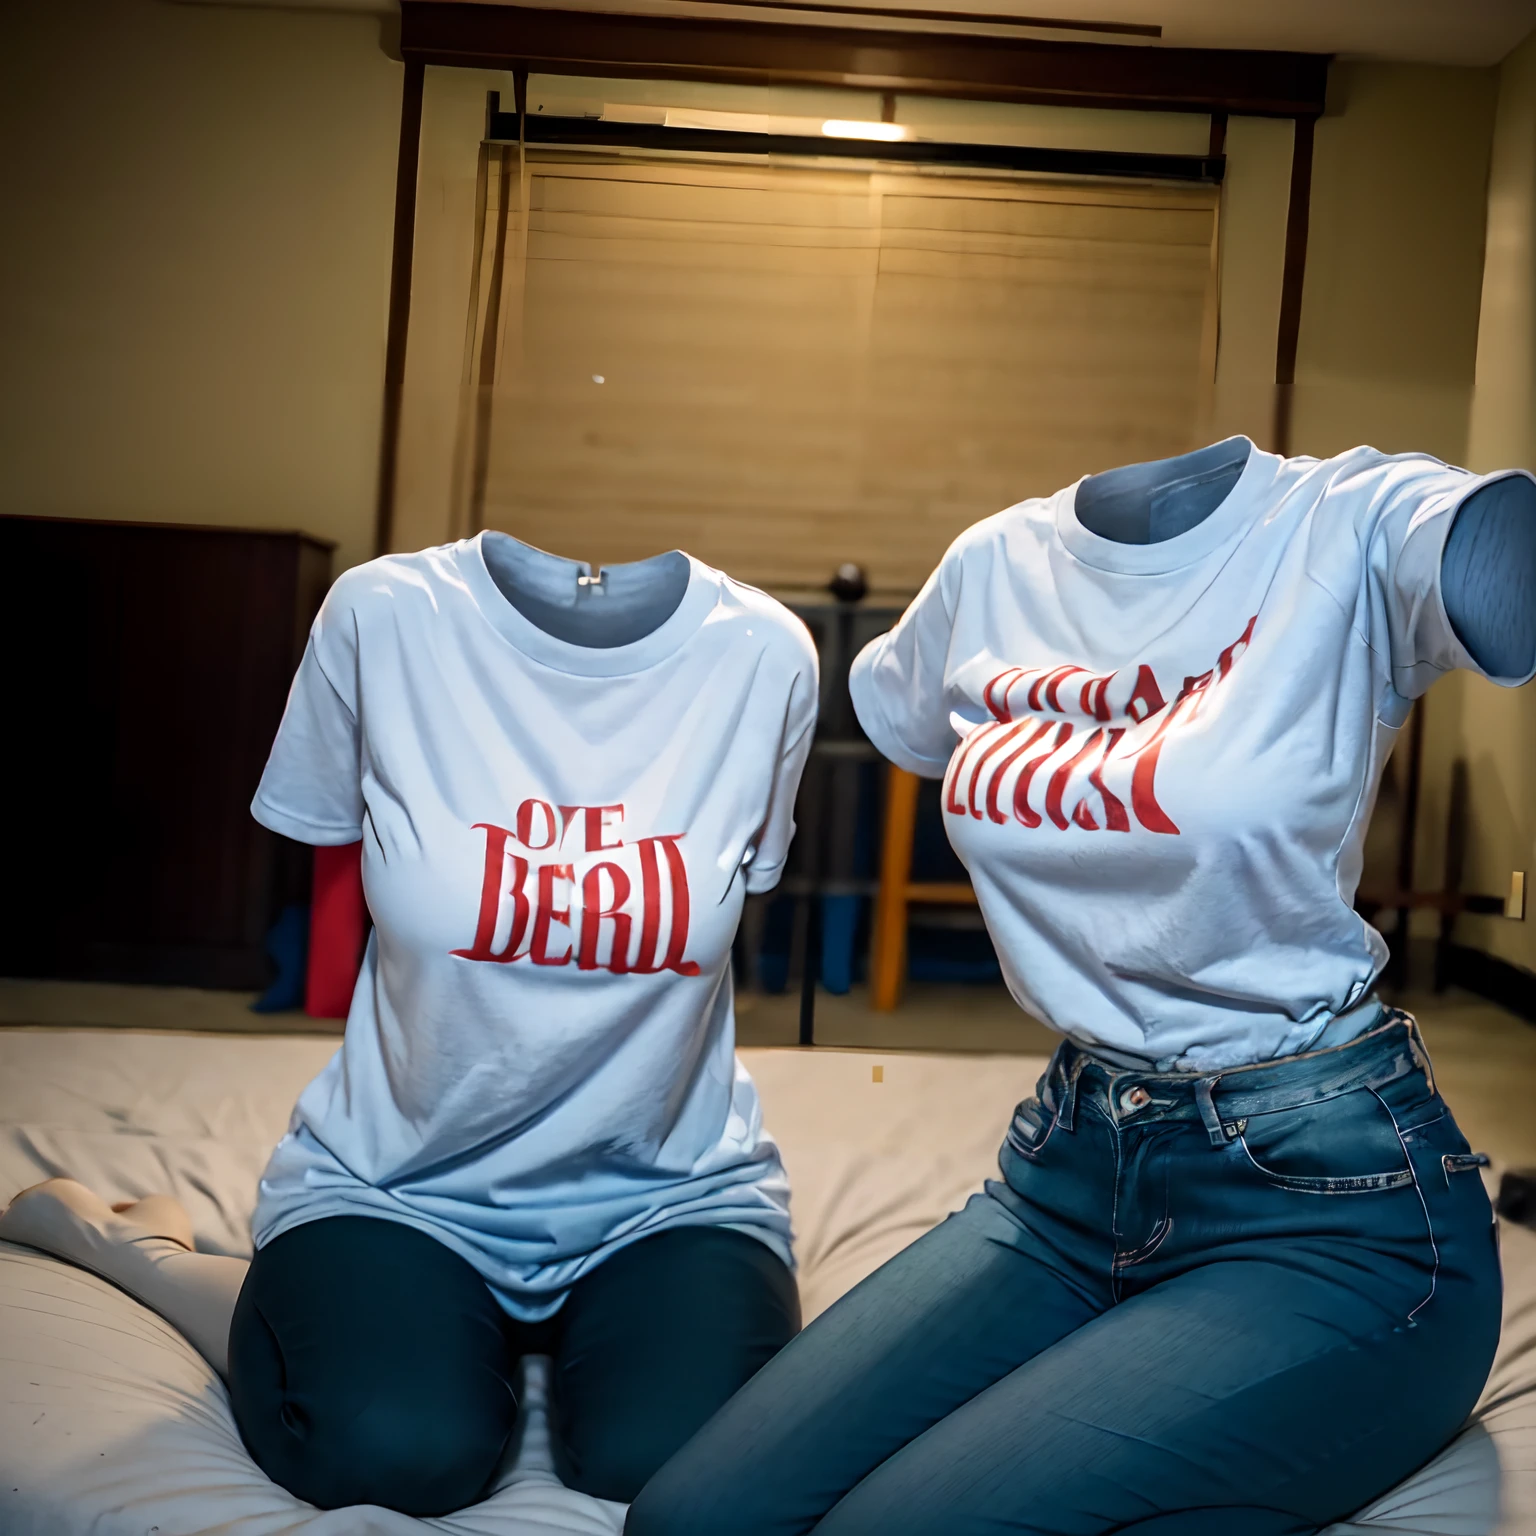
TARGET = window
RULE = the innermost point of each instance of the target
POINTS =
(779, 367)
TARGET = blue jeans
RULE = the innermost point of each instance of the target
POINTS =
(1241, 1304)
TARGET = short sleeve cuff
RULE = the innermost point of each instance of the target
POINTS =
(316, 834)
(761, 880)
(866, 705)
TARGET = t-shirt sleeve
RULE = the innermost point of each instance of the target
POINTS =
(1413, 505)
(311, 789)
(771, 847)
(898, 680)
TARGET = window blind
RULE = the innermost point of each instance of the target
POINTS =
(780, 367)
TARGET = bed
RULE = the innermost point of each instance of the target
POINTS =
(111, 1424)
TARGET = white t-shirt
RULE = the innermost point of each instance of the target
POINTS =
(539, 1062)
(1160, 759)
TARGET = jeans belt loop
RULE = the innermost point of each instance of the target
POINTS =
(1418, 1052)
(1068, 1104)
(1206, 1104)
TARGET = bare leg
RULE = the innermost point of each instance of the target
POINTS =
(144, 1246)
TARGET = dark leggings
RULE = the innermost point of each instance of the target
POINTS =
(369, 1364)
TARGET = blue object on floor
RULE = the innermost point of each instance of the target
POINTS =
(773, 972)
(839, 919)
(288, 949)
(951, 955)
(773, 957)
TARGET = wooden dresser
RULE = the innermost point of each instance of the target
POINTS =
(143, 672)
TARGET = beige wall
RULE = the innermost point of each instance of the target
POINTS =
(434, 425)
(1255, 198)
(1495, 728)
(1389, 317)
(194, 275)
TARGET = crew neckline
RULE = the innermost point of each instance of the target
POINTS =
(520, 632)
(1230, 515)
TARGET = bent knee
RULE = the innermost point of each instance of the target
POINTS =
(670, 1505)
(400, 1453)
(419, 1461)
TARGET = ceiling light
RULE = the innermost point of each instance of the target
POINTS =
(886, 133)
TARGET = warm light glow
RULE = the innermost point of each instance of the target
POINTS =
(886, 133)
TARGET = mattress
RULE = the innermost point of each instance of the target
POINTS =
(111, 1424)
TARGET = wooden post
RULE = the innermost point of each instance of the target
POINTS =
(888, 952)
(1292, 280)
(399, 300)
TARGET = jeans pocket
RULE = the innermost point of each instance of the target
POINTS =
(1444, 1160)
(1347, 1145)
(1030, 1128)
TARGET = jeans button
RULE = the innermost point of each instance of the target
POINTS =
(1133, 1099)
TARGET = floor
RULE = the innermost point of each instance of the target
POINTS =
(931, 1017)
(1485, 1057)
(104, 1005)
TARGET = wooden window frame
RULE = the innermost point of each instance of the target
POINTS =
(976, 67)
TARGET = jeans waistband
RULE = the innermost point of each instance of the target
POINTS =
(1393, 1049)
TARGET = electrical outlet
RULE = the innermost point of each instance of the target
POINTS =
(1514, 903)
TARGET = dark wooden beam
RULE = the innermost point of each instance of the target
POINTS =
(399, 299)
(1292, 281)
(1452, 902)
(1265, 84)
(947, 17)
(485, 379)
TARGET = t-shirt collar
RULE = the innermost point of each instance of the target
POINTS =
(1232, 515)
(671, 634)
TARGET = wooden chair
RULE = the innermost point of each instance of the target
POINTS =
(898, 891)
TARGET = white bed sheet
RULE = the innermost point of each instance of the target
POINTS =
(111, 1424)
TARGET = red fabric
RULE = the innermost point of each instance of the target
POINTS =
(338, 930)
